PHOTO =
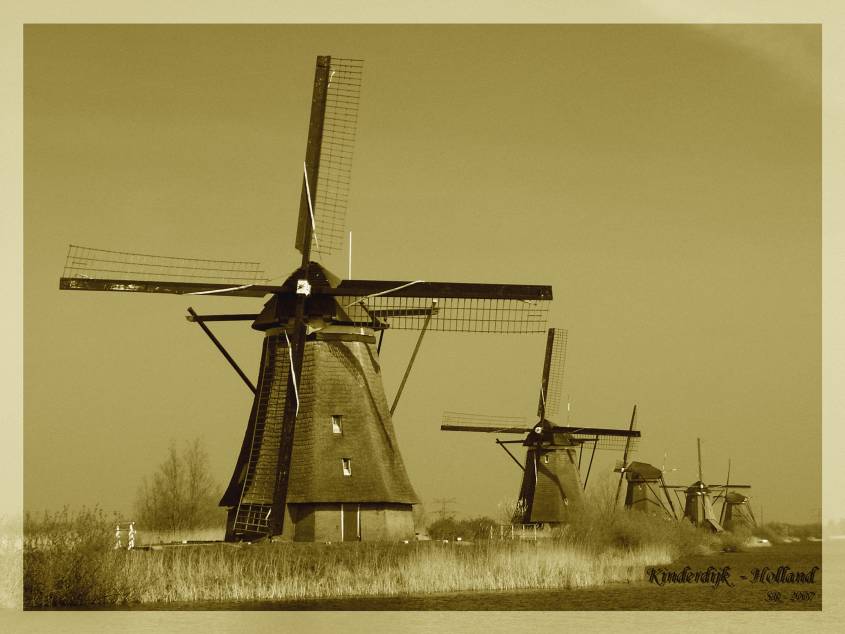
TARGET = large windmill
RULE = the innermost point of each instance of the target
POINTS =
(698, 507)
(551, 488)
(319, 458)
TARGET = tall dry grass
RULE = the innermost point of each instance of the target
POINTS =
(625, 530)
(277, 571)
(69, 559)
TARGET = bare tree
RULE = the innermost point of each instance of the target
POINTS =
(602, 496)
(181, 494)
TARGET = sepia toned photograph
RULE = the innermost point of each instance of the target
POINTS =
(423, 317)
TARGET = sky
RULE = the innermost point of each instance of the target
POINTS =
(665, 180)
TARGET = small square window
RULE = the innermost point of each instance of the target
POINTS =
(337, 423)
(347, 466)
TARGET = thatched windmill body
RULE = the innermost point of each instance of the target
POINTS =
(737, 513)
(645, 489)
(319, 458)
(552, 488)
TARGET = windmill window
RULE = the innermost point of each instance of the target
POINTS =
(546, 459)
(347, 466)
(337, 423)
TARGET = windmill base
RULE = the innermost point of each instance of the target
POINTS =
(347, 522)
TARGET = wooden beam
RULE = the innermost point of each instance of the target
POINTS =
(222, 350)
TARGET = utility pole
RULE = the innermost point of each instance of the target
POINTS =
(444, 502)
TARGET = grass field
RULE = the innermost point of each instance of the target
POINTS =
(69, 559)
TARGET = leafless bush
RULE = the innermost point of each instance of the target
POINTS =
(181, 495)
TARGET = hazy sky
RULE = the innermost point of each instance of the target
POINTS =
(665, 180)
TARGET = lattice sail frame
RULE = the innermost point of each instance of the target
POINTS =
(609, 443)
(450, 314)
(462, 418)
(89, 263)
(557, 363)
(333, 184)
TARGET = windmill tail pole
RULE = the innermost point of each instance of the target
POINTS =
(668, 497)
(413, 356)
(590, 466)
(196, 318)
(502, 445)
(754, 519)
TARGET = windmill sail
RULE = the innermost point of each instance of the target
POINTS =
(625, 455)
(552, 381)
(461, 419)
(89, 269)
(603, 437)
(328, 157)
(461, 307)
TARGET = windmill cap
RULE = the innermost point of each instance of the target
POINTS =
(317, 275)
(643, 471)
(281, 306)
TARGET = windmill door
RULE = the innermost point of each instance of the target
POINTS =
(350, 522)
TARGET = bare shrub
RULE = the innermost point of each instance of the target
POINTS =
(181, 494)
(471, 529)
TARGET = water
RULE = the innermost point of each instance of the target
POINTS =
(641, 595)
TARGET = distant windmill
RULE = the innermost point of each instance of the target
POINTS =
(319, 458)
(645, 483)
(646, 490)
(736, 508)
(698, 507)
(551, 487)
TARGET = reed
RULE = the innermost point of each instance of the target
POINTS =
(69, 559)
(599, 528)
(278, 571)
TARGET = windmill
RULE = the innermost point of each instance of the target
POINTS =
(644, 483)
(643, 492)
(736, 508)
(551, 488)
(698, 507)
(736, 512)
(319, 458)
